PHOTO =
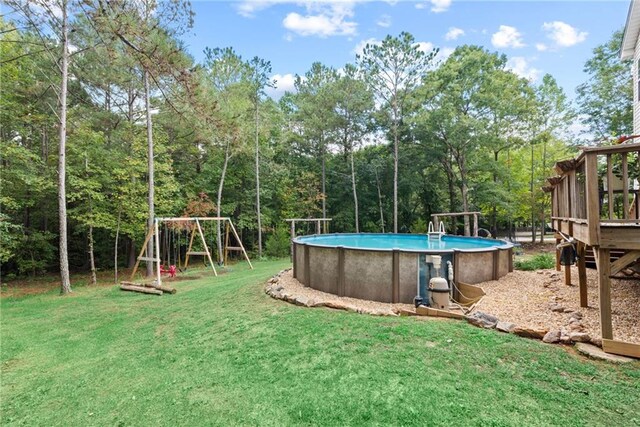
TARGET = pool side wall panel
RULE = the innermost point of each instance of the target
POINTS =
(368, 275)
(323, 269)
(475, 267)
(408, 277)
(298, 264)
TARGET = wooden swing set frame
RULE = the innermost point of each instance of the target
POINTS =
(155, 235)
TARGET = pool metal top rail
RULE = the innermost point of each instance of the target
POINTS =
(500, 244)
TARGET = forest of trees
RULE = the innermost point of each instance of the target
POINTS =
(106, 121)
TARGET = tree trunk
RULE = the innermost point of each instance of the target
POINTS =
(65, 286)
(324, 187)
(542, 205)
(150, 172)
(219, 200)
(132, 253)
(379, 199)
(355, 194)
(465, 206)
(395, 176)
(115, 246)
(92, 261)
(533, 210)
(494, 209)
(258, 183)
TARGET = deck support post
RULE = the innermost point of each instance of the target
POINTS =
(582, 274)
(604, 286)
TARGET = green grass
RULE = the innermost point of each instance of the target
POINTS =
(537, 262)
(221, 352)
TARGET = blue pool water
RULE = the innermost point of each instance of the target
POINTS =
(411, 242)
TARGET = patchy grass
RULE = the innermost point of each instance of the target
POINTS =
(540, 261)
(221, 352)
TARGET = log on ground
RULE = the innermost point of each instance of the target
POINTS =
(141, 289)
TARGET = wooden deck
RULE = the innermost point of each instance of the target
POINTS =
(596, 203)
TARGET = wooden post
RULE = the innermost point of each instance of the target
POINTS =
(142, 250)
(567, 275)
(475, 225)
(244, 252)
(318, 227)
(206, 248)
(582, 274)
(592, 198)
(226, 243)
(558, 267)
(186, 258)
(157, 251)
(604, 285)
(625, 186)
(610, 185)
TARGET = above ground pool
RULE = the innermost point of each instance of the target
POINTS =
(394, 267)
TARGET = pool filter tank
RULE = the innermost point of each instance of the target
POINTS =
(438, 287)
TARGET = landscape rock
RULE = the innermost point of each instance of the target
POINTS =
(579, 337)
(564, 337)
(557, 308)
(597, 353)
(552, 337)
(505, 326)
(576, 315)
(530, 333)
(483, 320)
(300, 300)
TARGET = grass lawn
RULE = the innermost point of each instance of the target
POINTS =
(221, 352)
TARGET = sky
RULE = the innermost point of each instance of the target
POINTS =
(538, 37)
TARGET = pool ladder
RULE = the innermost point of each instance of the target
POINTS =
(435, 235)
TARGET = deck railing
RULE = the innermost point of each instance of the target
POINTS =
(600, 187)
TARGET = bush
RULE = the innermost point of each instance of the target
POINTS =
(278, 244)
(538, 262)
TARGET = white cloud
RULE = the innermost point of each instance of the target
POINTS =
(438, 6)
(454, 33)
(323, 20)
(250, 7)
(507, 37)
(284, 83)
(541, 47)
(359, 48)
(520, 66)
(420, 6)
(384, 21)
(444, 53)
(563, 34)
(425, 47)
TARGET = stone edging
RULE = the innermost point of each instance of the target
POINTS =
(275, 290)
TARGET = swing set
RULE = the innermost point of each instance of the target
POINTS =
(167, 235)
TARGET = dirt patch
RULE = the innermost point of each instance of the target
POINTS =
(541, 300)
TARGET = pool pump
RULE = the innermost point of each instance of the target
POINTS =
(438, 287)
